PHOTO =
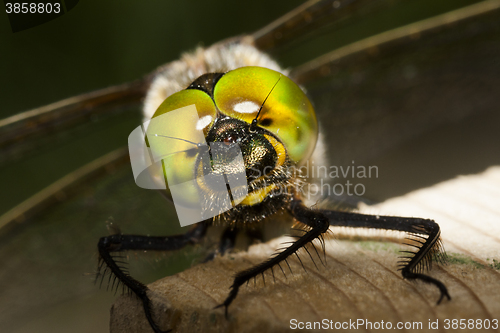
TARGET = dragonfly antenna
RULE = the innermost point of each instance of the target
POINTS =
(254, 121)
(171, 137)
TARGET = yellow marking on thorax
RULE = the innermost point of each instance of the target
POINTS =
(257, 196)
(279, 148)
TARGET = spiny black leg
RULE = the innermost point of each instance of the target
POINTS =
(428, 246)
(226, 243)
(116, 243)
(442, 288)
(319, 224)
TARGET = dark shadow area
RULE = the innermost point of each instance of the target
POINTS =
(468, 146)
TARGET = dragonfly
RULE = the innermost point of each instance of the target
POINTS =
(384, 84)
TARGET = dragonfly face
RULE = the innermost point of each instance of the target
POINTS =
(255, 111)
(74, 225)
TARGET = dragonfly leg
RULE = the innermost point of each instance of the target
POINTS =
(314, 219)
(426, 239)
(116, 243)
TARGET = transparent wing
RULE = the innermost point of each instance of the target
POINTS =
(418, 101)
(397, 103)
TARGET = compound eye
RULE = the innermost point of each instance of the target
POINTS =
(175, 132)
(287, 112)
(204, 106)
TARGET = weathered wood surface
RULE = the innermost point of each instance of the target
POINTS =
(360, 280)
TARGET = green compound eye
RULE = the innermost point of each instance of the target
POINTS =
(287, 112)
(204, 105)
(179, 156)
